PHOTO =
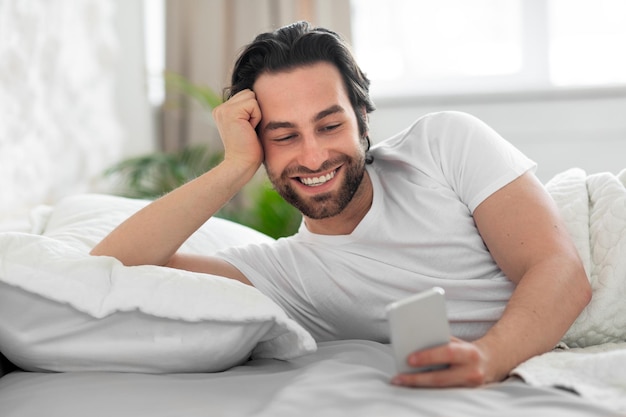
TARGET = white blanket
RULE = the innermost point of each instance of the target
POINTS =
(597, 373)
(594, 208)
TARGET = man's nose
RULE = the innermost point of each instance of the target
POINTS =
(313, 152)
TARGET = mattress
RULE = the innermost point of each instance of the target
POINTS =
(341, 378)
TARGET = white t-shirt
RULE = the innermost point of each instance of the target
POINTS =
(418, 233)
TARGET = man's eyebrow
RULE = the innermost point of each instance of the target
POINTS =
(278, 125)
(319, 116)
(331, 110)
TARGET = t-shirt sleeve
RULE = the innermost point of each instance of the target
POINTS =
(260, 263)
(271, 269)
(471, 157)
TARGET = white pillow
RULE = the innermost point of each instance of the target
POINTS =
(63, 310)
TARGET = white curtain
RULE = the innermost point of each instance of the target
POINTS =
(203, 38)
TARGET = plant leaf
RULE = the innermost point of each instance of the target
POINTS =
(204, 95)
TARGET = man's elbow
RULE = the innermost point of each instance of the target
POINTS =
(95, 251)
(102, 250)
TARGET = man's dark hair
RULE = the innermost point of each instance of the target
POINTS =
(301, 44)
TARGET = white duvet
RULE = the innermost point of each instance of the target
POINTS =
(594, 207)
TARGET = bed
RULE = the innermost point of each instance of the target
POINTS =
(86, 335)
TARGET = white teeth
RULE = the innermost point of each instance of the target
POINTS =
(315, 181)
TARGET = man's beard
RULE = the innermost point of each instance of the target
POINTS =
(328, 204)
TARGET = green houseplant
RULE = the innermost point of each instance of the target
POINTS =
(149, 176)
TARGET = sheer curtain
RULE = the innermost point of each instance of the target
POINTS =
(203, 38)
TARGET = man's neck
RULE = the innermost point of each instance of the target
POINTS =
(345, 222)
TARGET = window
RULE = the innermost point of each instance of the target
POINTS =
(425, 47)
(154, 39)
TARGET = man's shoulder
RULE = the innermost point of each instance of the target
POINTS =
(425, 134)
(431, 124)
(441, 125)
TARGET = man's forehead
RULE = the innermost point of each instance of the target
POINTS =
(300, 95)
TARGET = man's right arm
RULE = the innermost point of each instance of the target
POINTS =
(153, 235)
(206, 265)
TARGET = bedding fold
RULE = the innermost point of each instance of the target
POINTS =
(595, 373)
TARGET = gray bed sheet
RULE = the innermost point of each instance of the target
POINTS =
(345, 378)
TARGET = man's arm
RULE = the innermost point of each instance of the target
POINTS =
(154, 234)
(521, 226)
(206, 265)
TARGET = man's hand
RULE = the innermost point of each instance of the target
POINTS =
(236, 121)
(468, 366)
(153, 234)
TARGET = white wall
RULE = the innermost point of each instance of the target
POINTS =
(72, 96)
(59, 129)
(559, 131)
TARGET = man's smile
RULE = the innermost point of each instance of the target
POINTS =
(317, 181)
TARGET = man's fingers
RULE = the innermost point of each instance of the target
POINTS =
(455, 376)
(465, 366)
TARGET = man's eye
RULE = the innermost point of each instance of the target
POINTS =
(331, 127)
(284, 138)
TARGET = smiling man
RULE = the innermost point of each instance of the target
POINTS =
(446, 202)
(314, 151)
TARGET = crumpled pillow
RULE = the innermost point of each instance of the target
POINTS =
(64, 310)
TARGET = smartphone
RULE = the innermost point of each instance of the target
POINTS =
(418, 322)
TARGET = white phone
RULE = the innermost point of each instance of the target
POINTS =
(418, 322)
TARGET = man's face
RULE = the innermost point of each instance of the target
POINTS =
(313, 151)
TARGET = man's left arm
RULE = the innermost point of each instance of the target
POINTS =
(521, 226)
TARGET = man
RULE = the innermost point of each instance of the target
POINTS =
(446, 202)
